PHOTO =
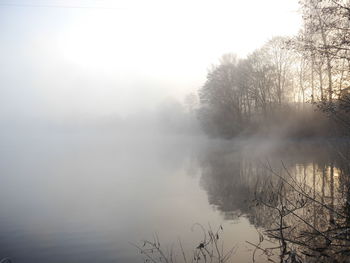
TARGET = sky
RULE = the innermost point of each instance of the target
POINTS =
(68, 59)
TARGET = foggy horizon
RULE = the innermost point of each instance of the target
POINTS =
(96, 59)
(174, 131)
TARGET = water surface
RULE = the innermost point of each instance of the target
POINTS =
(83, 197)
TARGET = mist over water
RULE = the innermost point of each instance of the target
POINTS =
(130, 131)
(83, 194)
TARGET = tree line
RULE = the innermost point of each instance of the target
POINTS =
(285, 80)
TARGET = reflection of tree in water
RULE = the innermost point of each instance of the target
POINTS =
(305, 202)
(221, 178)
(230, 176)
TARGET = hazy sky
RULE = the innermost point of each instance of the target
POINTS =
(67, 59)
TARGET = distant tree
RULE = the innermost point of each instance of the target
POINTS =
(324, 44)
(221, 98)
(326, 36)
(285, 73)
(280, 59)
(191, 102)
(260, 81)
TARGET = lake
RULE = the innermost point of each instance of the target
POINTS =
(88, 197)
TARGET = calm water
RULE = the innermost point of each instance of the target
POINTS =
(72, 197)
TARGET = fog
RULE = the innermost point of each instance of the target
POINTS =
(122, 121)
(81, 195)
(86, 59)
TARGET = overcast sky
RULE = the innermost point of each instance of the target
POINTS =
(67, 59)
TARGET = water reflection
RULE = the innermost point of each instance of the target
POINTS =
(84, 198)
(299, 190)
